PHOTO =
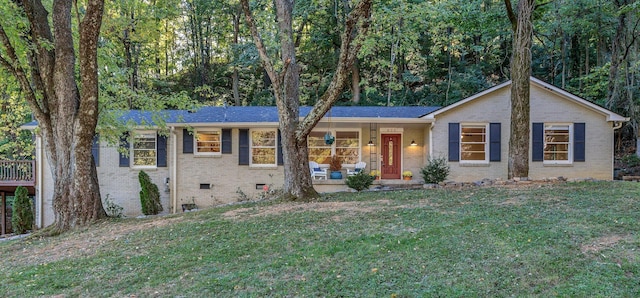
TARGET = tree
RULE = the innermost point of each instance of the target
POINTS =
(522, 25)
(286, 89)
(66, 113)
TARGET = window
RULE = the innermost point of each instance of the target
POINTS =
(346, 147)
(208, 142)
(319, 151)
(557, 143)
(473, 143)
(263, 147)
(144, 149)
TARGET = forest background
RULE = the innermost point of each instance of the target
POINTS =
(168, 54)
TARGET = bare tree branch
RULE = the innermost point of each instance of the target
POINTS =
(266, 61)
(358, 18)
(512, 16)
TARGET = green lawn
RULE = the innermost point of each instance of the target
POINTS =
(573, 239)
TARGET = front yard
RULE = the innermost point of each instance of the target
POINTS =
(568, 239)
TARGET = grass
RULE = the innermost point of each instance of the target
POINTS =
(574, 239)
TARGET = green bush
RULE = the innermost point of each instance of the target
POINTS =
(22, 218)
(149, 195)
(631, 160)
(436, 170)
(111, 208)
(360, 181)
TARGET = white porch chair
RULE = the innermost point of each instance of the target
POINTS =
(358, 168)
(316, 171)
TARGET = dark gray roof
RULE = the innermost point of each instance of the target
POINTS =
(233, 114)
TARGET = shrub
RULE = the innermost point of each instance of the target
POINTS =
(360, 181)
(149, 195)
(436, 170)
(631, 160)
(22, 218)
(111, 208)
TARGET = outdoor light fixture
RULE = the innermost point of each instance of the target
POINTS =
(370, 143)
(413, 143)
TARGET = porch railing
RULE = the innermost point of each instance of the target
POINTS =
(17, 172)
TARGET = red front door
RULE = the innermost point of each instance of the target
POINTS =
(390, 157)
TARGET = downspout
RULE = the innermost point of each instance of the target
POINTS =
(174, 163)
(430, 153)
(617, 125)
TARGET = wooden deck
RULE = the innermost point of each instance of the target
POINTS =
(17, 173)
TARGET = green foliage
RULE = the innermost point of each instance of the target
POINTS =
(631, 160)
(22, 218)
(111, 208)
(149, 195)
(436, 170)
(14, 112)
(360, 181)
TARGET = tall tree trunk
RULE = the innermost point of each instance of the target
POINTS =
(520, 73)
(285, 84)
(235, 77)
(67, 117)
(355, 82)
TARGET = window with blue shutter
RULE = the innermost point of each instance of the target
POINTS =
(537, 142)
(95, 150)
(579, 136)
(226, 141)
(243, 147)
(187, 141)
(494, 142)
(280, 157)
(162, 151)
(124, 146)
(454, 141)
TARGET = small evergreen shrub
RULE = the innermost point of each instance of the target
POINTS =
(360, 181)
(436, 170)
(111, 208)
(149, 195)
(631, 160)
(22, 218)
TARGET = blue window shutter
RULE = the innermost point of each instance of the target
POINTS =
(280, 157)
(124, 145)
(161, 142)
(579, 136)
(243, 147)
(226, 141)
(187, 141)
(494, 141)
(454, 141)
(537, 142)
(95, 149)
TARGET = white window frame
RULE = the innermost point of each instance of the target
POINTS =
(334, 145)
(133, 149)
(569, 144)
(275, 147)
(205, 131)
(330, 147)
(486, 143)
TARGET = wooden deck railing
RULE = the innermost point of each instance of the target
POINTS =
(17, 172)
